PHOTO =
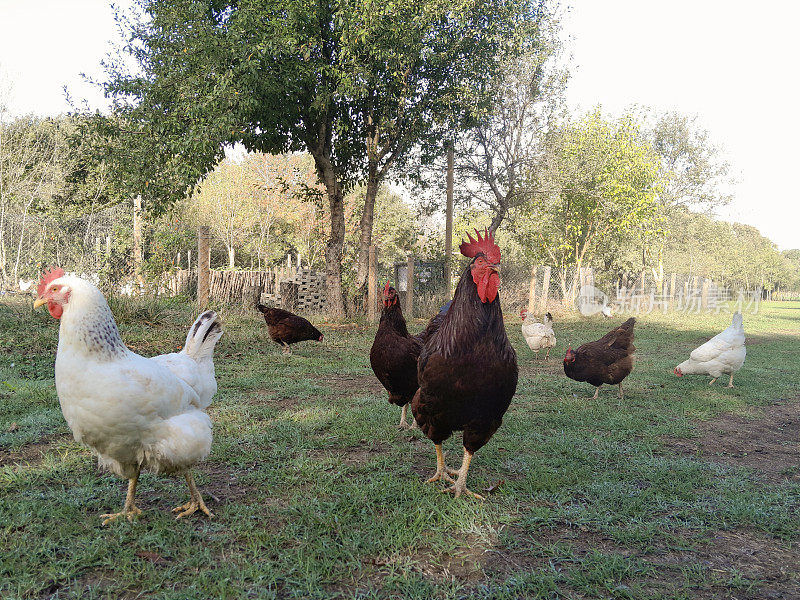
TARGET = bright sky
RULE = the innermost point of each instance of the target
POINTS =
(731, 63)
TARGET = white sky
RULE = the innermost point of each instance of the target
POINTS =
(731, 63)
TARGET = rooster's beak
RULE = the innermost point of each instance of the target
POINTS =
(495, 268)
(39, 302)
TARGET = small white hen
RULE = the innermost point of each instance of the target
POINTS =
(135, 413)
(538, 335)
(722, 354)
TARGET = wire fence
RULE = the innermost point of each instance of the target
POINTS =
(99, 246)
(87, 244)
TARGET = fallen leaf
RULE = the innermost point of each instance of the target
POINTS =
(494, 486)
(13, 427)
(153, 557)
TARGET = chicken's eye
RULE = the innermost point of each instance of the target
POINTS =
(55, 288)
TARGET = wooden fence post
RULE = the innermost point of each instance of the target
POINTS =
(532, 291)
(137, 241)
(545, 290)
(448, 225)
(203, 264)
(372, 286)
(704, 293)
(409, 308)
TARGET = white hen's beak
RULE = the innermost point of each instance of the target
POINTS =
(39, 302)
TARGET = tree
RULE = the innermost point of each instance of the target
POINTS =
(223, 201)
(694, 173)
(353, 83)
(600, 189)
(497, 159)
(33, 159)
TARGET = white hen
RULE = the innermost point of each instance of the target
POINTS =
(722, 354)
(538, 335)
(134, 412)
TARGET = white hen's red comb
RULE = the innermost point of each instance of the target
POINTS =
(483, 244)
(47, 277)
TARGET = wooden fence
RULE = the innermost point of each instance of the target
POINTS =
(290, 288)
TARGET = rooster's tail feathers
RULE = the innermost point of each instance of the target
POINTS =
(203, 335)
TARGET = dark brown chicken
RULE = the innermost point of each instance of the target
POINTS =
(394, 354)
(607, 360)
(467, 369)
(287, 328)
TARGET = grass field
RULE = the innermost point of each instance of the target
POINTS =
(683, 490)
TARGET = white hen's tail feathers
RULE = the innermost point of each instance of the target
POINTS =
(203, 336)
(738, 321)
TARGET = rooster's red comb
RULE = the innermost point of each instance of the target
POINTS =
(483, 244)
(47, 277)
(387, 287)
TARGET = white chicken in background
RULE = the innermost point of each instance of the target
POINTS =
(135, 413)
(722, 354)
(26, 285)
(538, 335)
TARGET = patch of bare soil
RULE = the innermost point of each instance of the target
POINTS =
(530, 366)
(738, 564)
(31, 454)
(767, 442)
(352, 383)
(730, 565)
(352, 455)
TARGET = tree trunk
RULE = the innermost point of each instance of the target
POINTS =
(335, 244)
(231, 257)
(367, 220)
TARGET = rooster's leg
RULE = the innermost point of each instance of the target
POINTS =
(129, 510)
(621, 395)
(442, 472)
(596, 392)
(713, 380)
(286, 349)
(460, 485)
(403, 422)
(196, 501)
(730, 381)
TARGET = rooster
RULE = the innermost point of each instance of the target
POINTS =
(467, 369)
(287, 328)
(135, 413)
(607, 360)
(722, 354)
(394, 354)
(538, 335)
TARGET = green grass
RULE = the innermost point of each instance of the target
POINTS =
(317, 495)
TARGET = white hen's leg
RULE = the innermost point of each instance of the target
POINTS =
(460, 485)
(730, 381)
(546, 356)
(196, 500)
(130, 509)
(713, 380)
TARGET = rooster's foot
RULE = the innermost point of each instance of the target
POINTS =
(192, 507)
(443, 475)
(462, 489)
(131, 512)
